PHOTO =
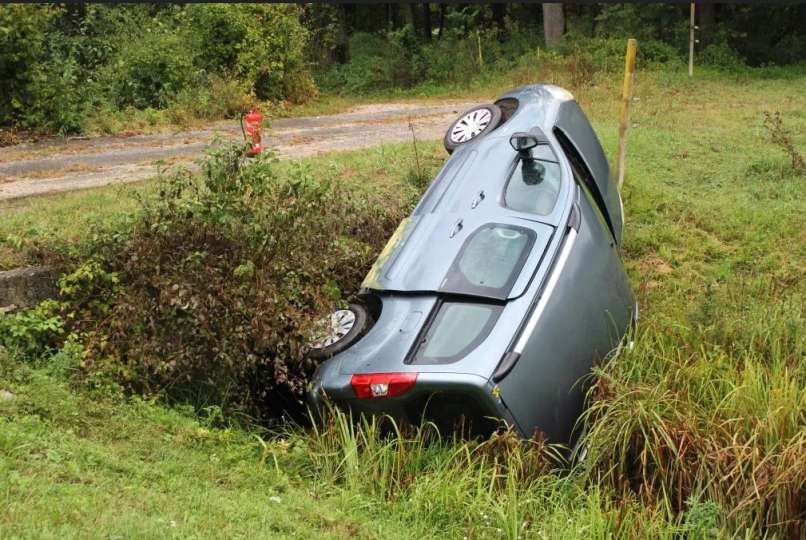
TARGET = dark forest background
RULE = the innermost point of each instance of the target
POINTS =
(79, 67)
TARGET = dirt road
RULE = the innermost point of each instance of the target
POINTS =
(66, 165)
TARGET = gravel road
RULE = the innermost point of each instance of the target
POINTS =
(60, 165)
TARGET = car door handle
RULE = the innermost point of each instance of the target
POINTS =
(456, 228)
(477, 200)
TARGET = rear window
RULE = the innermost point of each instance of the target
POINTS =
(490, 261)
(534, 187)
(457, 329)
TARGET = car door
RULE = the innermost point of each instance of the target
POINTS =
(574, 132)
(579, 315)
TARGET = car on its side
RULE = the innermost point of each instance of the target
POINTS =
(494, 299)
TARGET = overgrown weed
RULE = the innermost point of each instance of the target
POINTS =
(781, 137)
(208, 297)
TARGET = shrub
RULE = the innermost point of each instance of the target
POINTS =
(662, 22)
(60, 66)
(32, 333)
(21, 42)
(221, 98)
(56, 102)
(722, 56)
(150, 71)
(608, 52)
(400, 60)
(783, 139)
(263, 45)
(375, 63)
(216, 286)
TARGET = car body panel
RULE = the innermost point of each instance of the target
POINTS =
(430, 244)
(573, 123)
(585, 316)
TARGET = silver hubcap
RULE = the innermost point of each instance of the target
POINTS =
(332, 328)
(471, 125)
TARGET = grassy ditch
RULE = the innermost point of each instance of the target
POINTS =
(698, 431)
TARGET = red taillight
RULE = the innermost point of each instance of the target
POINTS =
(376, 385)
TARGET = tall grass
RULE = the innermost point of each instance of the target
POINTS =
(502, 487)
(696, 429)
(683, 438)
(671, 423)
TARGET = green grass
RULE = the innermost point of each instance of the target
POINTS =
(699, 430)
(78, 464)
(74, 465)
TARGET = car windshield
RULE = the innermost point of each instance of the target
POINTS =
(458, 328)
(490, 261)
(535, 185)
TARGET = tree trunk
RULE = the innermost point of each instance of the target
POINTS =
(348, 16)
(499, 12)
(413, 12)
(441, 20)
(427, 31)
(706, 15)
(553, 23)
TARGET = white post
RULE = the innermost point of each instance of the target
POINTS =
(691, 43)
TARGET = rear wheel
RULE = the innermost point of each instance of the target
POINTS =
(338, 331)
(471, 125)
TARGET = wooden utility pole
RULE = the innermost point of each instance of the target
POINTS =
(691, 42)
(626, 101)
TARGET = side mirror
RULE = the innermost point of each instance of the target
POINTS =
(524, 141)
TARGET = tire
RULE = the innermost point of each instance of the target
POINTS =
(471, 125)
(323, 346)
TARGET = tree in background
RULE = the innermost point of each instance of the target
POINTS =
(553, 23)
(61, 64)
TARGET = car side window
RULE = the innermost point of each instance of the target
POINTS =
(490, 261)
(457, 329)
(584, 178)
(535, 186)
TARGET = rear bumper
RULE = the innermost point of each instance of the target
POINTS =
(449, 400)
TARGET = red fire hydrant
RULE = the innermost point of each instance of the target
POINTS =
(253, 121)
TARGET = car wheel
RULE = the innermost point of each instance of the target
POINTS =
(471, 125)
(337, 331)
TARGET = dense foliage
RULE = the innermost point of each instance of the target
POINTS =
(86, 67)
(210, 294)
(66, 67)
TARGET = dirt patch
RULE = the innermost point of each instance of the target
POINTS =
(58, 173)
(653, 264)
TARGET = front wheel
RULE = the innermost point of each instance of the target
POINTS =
(471, 125)
(336, 332)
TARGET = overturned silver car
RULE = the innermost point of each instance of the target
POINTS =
(491, 303)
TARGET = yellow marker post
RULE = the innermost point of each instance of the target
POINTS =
(626, 102)
(481, 58)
